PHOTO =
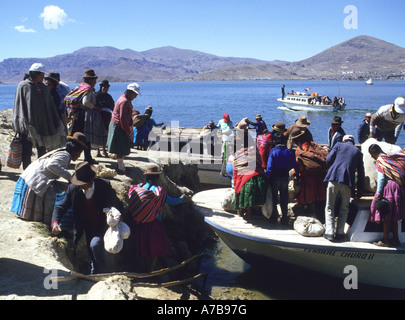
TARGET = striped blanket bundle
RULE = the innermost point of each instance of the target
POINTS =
(14, 154)
(145, 205)
(74, 98)
(393, 166)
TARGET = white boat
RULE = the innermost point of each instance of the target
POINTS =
(259, 242)
(305, 102)
(369, 82)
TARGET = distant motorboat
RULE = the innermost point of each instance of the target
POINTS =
(314, 102)
(369, 82)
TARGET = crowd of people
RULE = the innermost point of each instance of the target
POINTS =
(277, 154)
(62, 124)
(325, 177)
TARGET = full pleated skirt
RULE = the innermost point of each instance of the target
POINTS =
(94, 128)
(252, 193)
(118, 142)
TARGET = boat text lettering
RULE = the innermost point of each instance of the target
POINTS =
(351, 255)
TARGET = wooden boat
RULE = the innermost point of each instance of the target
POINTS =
(305, 102)
(259, 242)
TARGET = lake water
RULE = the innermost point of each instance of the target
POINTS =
(196, 103)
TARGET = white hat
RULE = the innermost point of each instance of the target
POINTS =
(39, 67)
(348, 137)
(134, 87)
(400, 105)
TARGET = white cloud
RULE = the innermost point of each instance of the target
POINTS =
(54, 17)
(23, 29)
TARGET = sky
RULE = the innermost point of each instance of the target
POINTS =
(289, 30)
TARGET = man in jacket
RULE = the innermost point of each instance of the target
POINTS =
(343, 161)
(88, 196)
(279, 163)
(387, 122)
(363, 132)
(336, 132)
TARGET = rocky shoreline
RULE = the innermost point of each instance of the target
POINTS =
(30, 255)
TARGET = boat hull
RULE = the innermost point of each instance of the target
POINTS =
(296, 106)
(259, 243)
(371, 267)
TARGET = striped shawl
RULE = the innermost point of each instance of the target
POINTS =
(393, 166)
(74, 98)
(145, 205)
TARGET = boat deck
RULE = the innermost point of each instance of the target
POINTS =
(208, 203)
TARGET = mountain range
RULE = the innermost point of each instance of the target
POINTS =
(357, 58)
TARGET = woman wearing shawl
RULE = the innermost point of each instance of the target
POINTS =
(141, 134)
(148, 236)
(248, 175)
(121, 132)
(35, 191)
(264, 144)
(388, 205)
(86, 117)
(35, 116)
(311, 159)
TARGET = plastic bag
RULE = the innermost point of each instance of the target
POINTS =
(125, 231)
(116, 233)
(113, 241)
(267, 208)
(113, 216)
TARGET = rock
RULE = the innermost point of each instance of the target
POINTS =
(114, 288)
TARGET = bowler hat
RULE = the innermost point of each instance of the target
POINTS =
(279, 126)
(297, 133)
(336, 120)
(79, 138)
(384, 206)
(84, 173)
(89, 73)
(302, 121)
(104, 83)
(53, 76)
(153, 170)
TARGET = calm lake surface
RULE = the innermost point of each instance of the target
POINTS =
(196, 103)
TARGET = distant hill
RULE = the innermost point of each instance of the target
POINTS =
(362, 56)
(160, 64)
(357, 58)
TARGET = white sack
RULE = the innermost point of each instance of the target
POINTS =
(370, 172)
(113, 241)
(309, 227)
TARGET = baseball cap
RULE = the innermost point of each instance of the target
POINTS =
(400, 105)
(134, 87)
(38, 67)
(348, 137)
